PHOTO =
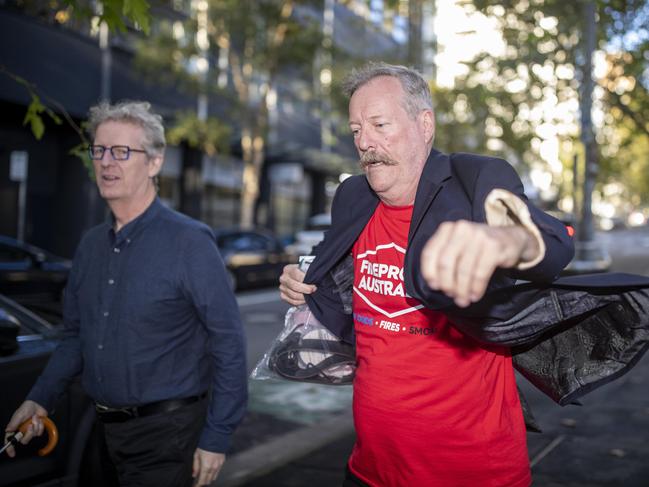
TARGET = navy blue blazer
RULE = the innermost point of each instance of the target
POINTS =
(536, 317)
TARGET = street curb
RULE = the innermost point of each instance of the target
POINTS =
(259, 460)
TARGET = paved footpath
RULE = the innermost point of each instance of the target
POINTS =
(603, 443)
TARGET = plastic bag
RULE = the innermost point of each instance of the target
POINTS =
(306, 351)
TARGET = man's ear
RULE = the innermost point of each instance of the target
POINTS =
(428, 123)
(155, 164)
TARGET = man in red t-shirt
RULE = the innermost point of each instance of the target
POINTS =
(432, 407)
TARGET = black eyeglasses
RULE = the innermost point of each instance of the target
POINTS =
(119, 152)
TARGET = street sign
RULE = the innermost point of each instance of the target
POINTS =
(18, 165)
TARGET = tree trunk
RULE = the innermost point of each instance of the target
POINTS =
(415, 59)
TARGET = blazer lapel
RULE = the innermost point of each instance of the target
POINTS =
(356, 208)
(436, 170)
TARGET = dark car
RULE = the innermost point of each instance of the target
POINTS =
(30, 274)
(253, 258)
(311, 236)
(26, 343)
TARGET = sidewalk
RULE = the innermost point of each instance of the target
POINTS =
(604, 443)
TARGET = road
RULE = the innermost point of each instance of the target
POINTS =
(601, 444)
(262, 313)
(263, 316)
(629, 249)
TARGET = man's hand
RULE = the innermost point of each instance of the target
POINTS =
(291, 285)
(460, 258)
(207, 466)
(27, 410)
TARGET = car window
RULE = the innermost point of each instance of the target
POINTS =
(243, 242)
(12, 254)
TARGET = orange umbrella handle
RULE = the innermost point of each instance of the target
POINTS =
(52, 434)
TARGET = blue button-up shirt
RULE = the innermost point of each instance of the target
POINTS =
(149, 316)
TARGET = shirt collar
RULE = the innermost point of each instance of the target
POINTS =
(135, 226)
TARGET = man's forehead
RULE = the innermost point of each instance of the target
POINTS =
(375, 103)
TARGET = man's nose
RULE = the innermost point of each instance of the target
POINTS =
(107, 159)
(364, 141)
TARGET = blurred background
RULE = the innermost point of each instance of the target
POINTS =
(256, 122)
(258, 142)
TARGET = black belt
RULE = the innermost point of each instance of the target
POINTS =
(119, 415)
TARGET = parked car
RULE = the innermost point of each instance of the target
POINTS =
(26, 343)
(253, 258)
(30, 274)
(311, 236)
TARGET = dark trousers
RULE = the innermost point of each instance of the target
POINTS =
(156, 450)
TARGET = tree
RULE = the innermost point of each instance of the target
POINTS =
(248, 43)
(521, 98)
(117, 14)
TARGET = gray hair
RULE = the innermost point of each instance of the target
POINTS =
(418, 97)
(136, 112)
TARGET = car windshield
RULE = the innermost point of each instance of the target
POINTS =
(242, 242)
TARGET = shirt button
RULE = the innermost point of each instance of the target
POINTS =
(99, 379)
(111, 281)
(100, 346)
(116, 250)
(106, 313)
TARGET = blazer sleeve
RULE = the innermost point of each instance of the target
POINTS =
(464, 195)
(498, 178)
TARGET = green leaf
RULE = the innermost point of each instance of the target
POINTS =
(33, 117)
(112, 16)
(138, 12)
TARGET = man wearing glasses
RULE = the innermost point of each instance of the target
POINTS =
(151, 323)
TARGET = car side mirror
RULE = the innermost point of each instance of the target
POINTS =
(40, 258)
(9, 327)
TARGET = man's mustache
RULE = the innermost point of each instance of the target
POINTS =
(372, 156)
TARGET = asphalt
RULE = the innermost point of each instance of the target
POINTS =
(602, 443)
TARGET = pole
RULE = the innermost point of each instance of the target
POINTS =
(575, 187)
(586, 233)
(415, 19)
(18, 169)
(590, 257)
(325, 75)
(106, 62)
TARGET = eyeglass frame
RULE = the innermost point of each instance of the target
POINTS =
(110, 149)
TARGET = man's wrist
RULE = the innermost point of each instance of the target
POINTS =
(505, 209)
(528, 245)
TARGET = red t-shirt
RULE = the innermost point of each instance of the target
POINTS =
(431, 406)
